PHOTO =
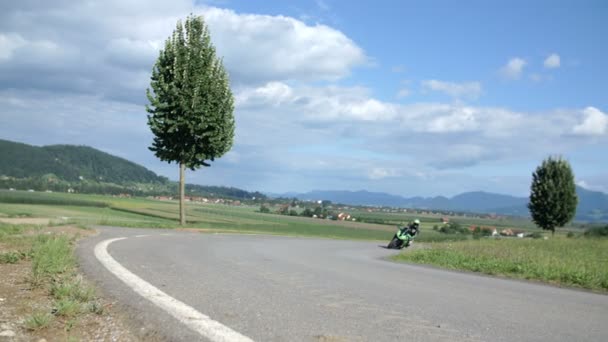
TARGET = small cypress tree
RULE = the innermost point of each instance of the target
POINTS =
(191, 104)
(553, 198)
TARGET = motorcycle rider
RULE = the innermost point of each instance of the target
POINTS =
(412, 230)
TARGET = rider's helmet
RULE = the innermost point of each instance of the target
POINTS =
(416, 222)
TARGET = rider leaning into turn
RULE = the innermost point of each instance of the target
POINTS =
(413, 229)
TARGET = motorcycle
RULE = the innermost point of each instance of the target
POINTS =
(402, 239)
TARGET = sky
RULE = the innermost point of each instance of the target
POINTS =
(412, 98)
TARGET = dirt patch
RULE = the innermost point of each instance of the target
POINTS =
(20, 300)
(26, 220)
(69, 230)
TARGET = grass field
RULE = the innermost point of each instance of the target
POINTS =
(158, 214)
(577, 262)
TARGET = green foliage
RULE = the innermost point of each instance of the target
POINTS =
(453, 228)
(38, 321)
(74, 289)
(51, 255)
(576, 262)
(7, 230)
(570, 235)
(553, 198)
(11, 257)
(307, 212)
(95, 307)
(293, 212)
(283, 210)
(191, 104)
(481, 232)
(67, 307)
(264, 209)
(536, 235)
(57, 163)
(597, 232)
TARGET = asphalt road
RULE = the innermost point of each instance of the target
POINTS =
(272, 288)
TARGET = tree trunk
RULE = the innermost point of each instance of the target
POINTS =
(182, 205)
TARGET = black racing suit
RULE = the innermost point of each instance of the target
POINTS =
(412, 230)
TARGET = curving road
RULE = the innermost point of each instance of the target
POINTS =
(269, 288)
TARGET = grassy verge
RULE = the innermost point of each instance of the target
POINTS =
(573, 262)
(63, 298)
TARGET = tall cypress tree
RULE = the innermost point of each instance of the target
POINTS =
(553, 198)
(191, 104)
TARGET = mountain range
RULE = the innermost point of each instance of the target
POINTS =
(77, 163)
(593, 205)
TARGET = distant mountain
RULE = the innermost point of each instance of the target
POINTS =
(593, 205)
(353, 197)
(70, 163)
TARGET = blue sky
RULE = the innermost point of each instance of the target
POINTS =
(406, 97)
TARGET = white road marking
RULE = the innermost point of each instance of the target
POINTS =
(141, 235)
(202, 324)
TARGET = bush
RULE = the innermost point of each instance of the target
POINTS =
(453, 228)
(536, 235)
(264, 209)
(307, 212)
(597, 232)
(570, 235)
(292, 212)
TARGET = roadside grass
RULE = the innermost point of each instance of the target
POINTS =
(53, 269)
(38, 321)
(11, 257)
(51, 256)
(562, 261)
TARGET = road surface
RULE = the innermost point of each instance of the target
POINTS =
(269, 288)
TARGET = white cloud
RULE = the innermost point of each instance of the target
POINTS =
(458, 120)
(398, 69)
(513, 69)
(380, 173)
(594, 123)
(471, 90)
(281, 48)
(8, 44)
(552, 61)
(582, 184)
(92, 47)
(403, 92)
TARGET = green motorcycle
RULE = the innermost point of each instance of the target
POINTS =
(402, 239)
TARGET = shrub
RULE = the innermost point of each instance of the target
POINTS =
(307, 212)
(570, 234)
(11, 257)
(536, 235)
(264, 209)
(597, 232)
(38, 321)
(453, 228)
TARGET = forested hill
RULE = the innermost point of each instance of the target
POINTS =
(69, 162)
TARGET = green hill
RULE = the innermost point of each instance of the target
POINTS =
(84, 169)
(70, 163)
